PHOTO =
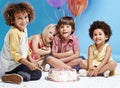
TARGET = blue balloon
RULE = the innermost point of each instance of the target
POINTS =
(56, 3)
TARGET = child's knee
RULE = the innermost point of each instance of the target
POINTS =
(38, 74)
(80, 61)
(113, 64)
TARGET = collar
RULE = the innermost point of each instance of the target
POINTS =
(70, 38)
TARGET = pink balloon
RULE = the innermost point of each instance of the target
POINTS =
(56, 3)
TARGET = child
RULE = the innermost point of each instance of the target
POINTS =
(40, 44)
(65, 46)
(15, 51)
(100, 53)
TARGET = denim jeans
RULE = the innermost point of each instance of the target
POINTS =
(26, 73)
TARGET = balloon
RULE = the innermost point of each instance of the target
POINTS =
(56, 3)
(77, 6)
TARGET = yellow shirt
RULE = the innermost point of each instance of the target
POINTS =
(98, 56)
(15, 47)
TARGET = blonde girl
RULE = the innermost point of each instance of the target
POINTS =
(40, 44)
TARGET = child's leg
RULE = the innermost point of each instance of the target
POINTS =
(83, 64)
(35, 75)
(29, 74)
(109, 66)
(56, 63)
(74, 62)
(26, 73)
(41, 64)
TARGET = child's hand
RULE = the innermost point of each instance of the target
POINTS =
(33, 66)
(96, 72)
(63, 59)
(44, 48)
(31, 59)
(69, 53)
(48, 49)
(91, 71)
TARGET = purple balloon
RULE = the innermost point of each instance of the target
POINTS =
(56, 3)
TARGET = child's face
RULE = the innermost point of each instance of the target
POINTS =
(65, 31)
(50, 34)
(21, 20)
(99, 36)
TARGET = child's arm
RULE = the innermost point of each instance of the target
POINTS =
(90, 60)
(32, 60)
(73, 56)
(30, 65)
(90, 57)
(106, 58)
(14, 42)
(62, 55)
(39, 51)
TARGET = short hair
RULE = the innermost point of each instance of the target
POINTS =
(101, 25)
(13, 8)
(66, 20)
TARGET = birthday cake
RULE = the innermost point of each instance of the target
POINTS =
(62, 75)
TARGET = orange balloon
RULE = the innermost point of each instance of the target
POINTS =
(77, 6)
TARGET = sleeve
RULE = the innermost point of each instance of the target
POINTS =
(14, 40)
(29, 51)
(55, 44)
(76, 44)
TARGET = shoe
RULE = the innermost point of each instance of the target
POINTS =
(47, 67)
(82, 72)
(12, 78)
(106, 73)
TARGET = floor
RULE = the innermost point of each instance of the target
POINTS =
(84, 82)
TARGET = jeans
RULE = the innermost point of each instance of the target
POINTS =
(26, 73)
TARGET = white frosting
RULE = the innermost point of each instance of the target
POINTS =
(62, 75)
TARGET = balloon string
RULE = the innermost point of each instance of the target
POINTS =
(59, 13)
(56, 15)
(45, 11)
(63, 11)
(75, 19)
(68, 10)
(79, 16)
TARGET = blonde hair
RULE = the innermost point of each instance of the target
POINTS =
(47, 28)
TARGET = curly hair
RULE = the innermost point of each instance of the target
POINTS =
(101, 25)
(13, 8)
(66, 20)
